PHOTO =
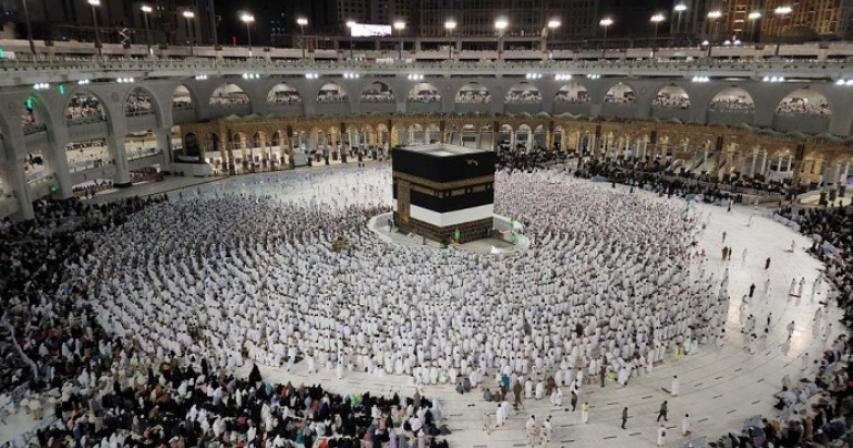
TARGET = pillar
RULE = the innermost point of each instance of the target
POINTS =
(12, 170)
(753, 163)
(115, 143)
(164, 144)
(58, 160)
(763, 169)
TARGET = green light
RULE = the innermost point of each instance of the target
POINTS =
(2, 53)
(62, 89)
(29, 103)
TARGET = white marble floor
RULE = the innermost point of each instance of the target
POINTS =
(719, 387)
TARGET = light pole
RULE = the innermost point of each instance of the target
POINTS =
(553, 24)
(713, 16)
(605, 23)
(399, 26)
(248, 19)
(94, 4)
(350, 24)
(781, 12)
(145, 11)
(29, 27)
(656, 19)
(450, 26)
(501, 24)
(302, 22)
(188, 16)
(679, 10)
(753, 18)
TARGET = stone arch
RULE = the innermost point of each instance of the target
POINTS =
(473, 93)
(377, 92)
(671, 97)
(523, 93)
(572, 93)
(433, 133)
(84, 107)
(383, 135)
(804, 101)
(732, 100)
(192, 146)
(424, 92)
(620, 93)
(182, 98)
(524, 135)
(331, 92)
(283, 94)
(228, 95)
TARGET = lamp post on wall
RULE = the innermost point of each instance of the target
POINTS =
(553, 24)
(188, 17)
(753, 17)
(605, 23)
(449, 27)
(399, 26)
(781, 12)
(501, 24)
(350, 24)
(713, 17)
(248, 19)
(679, 10)
(656, 19)
(94, 4)
(302, 22)
(146, 9)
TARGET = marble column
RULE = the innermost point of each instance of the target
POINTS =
(115, 143)
(12, 169)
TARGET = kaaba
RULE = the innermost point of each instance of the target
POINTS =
(444, 192)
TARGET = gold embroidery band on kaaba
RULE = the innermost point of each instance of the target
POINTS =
(442, 186)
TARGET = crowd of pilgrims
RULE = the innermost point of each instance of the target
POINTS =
(816, 407)
(671, 101)
(331, 95)
(739, 104)
(141, 327)
(138, 103)
(258, 278)
(629, 174)
(377, 93)
(473, 96)
(229, 98)
(424, 95)
(84, 108)
(572, 96)
(803, 106)
(522, 159)
(284, 97)
(106, 390)
(524, 95)
(620, 97)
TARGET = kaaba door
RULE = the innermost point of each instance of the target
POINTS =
(403, 198)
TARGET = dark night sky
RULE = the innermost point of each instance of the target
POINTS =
(631, 16)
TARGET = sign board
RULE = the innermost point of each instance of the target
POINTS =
(365, 30)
